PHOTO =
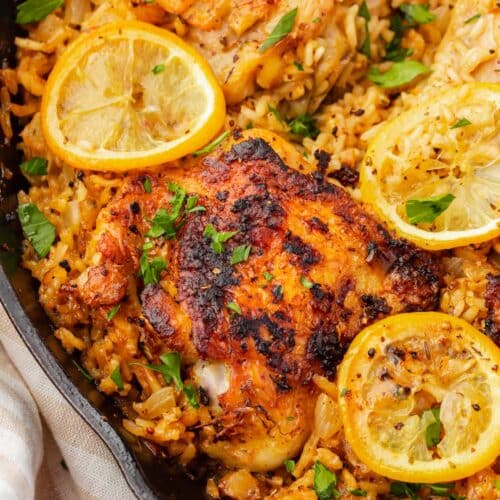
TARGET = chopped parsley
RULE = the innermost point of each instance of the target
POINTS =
(343, 392)
(267, 276)
(289, 465)
(298, 65)
(365, 14)
(35, 166)
(218, 239)
(233, 306)
(147, 185)
(171, 371)
(475, 17)
(281, 30)
(304, 125)
(463, 122)
(305, 282)
(210, 147)
(112, 313)
(82, 370)
(116, 377)
(150, 270)
(427, 209)
(400, 73)
(324, 482)
(37, 228)
(410, 490)
(417, 13)
(409, 16)
(167, 223)
(433, 430)
(32, 11)
(358, 492)
(240, 254)
(192, 395)
(159, 68)
(496, 484)
(316, 20)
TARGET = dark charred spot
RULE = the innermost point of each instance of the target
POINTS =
(222, 195)
(346, 175)
(257, 211)
(324, 346)
(254, 149)
(237, 133)
(133, 229)
(317, 224)
(374, 306)
(305, 254)
(323, 159)
(135, 208)
(204, 398)
(281, 383)
(277, 292)
(65, 265)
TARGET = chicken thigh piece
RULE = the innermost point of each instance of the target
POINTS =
(316, 269)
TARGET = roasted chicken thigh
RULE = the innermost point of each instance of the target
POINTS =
(252, 335)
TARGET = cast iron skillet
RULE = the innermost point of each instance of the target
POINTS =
(149, 475)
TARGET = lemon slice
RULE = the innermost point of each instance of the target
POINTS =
(420, 398)
(446, 149)
(130, 95)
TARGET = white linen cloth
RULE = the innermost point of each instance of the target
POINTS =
(47, 451)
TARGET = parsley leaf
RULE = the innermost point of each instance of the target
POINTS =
(409, 490)
(36, 227)
(210, 147)
(400, 73)
(82, 370)
(428, 209)
(289, 465)
(233, 306)
(365, 14)
(304, 125)
(31, 11)
(159, 68)
(496, 483)
(116, 377)
(393, 50)
(112, 313)
(192, 395)
(305, 282)
(240, 254)
(150, 270)
(358, 492)
(417, 13)
(324, 482)
(218, 239)
(282, 28)
(35, 166)
(166, 223)
(267, 276)
(433, 431)
(147, 185)
(298, 65)
(475, 17)
(440, 488)
(461, 123)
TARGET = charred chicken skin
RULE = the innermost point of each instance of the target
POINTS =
(253, 334)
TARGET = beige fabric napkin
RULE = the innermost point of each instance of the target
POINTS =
(47, 451)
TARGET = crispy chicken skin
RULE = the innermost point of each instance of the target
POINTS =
(334, 270)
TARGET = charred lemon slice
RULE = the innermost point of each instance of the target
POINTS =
(420, 398)
(433, 173)
(130, 95)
